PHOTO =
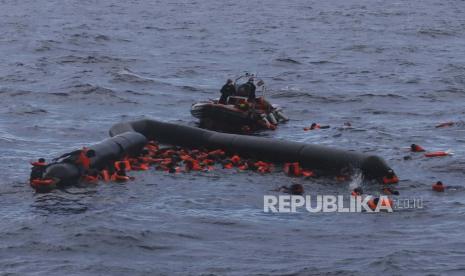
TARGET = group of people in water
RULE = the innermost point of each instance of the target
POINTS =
(167, 159)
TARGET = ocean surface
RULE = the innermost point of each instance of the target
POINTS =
(71, 69)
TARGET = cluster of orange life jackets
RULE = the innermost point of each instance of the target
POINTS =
(178, 160)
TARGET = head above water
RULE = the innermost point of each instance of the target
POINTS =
(41, 160)
(358, 190)
(250, 80)
(297, 189)
(229, 81)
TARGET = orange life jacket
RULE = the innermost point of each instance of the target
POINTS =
(417, 148)
(166, 161)
(243, 167)
(120, 178)
(83, 159)
(235, 159)
(41, 182)
(386, 202)
(292, 169)
(38, 164)
(90, 178)
(208, 162)
(390, 180)
(438, 188)
(308, 173)
(105, 175)
(264, 169)
(217, 152)
(140, 167)
(372, 204)
(185, 157)
(125, 163)
(436, 154)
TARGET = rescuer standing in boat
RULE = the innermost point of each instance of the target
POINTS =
(226, 91)
(252, 88)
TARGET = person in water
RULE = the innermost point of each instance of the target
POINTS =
(226, 91)
(80, 157)
(294, 189)
(38, 169)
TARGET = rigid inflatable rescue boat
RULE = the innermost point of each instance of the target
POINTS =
(239, 112)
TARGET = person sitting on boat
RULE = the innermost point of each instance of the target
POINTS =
(226, 91)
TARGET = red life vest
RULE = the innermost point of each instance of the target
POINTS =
(35, 183)
(120, 178)
(90, 178)
(390, 180)
(140, 167)
(417, 148)
(438, 188)
(105, 175)
(292, 169)
(235, 159)
(120, 164)
(83, 159)
(436, 154)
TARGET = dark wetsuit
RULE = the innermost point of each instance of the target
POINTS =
(252, 92)
(226, 91)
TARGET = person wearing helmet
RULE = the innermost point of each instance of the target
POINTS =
(226, 91)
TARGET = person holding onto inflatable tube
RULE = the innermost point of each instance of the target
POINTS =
(416, 148)
(385, 202)
(120, 176)
(38, 169)
(81, 158)
(294, 189)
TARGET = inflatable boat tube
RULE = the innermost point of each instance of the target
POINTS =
(106, 152)
(324, 159)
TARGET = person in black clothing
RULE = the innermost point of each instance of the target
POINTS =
(227, 90)
(252, 89)
(247, 90)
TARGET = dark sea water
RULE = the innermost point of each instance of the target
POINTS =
(71, 69)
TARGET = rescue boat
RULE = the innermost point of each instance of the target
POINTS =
(238, 114)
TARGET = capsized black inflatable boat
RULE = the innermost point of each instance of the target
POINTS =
(321, 158)
(129, 138)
